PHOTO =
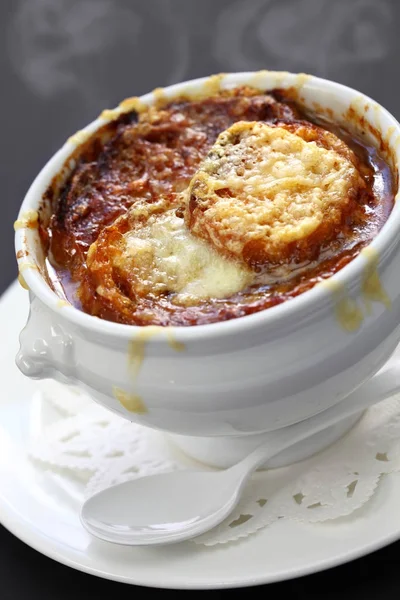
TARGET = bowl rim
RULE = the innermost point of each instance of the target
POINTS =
(305, 302)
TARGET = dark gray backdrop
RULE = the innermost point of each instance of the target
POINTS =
(63, 61)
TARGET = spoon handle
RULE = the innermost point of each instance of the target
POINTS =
(380, 387)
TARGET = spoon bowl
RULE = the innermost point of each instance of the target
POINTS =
(135, 513)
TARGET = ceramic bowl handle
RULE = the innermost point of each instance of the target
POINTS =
(46, 348)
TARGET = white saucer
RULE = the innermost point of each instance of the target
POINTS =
(42, 510)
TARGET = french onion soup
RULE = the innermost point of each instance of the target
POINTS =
(200, 210)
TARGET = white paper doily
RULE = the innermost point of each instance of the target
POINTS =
(101, 449)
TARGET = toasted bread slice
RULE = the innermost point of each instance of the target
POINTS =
(148, 254)
(273, 193)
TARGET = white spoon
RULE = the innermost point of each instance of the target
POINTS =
(177, 506)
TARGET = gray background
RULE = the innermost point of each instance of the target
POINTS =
(63, 61)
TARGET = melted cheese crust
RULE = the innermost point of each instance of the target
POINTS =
(261, 190)
(120, 246)
(157, 255)
(163, 257)
(265, 194)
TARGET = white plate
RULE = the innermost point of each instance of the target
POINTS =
(41, 510)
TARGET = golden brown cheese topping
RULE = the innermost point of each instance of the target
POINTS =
(197, 211)
(264, 193)
(157, 255)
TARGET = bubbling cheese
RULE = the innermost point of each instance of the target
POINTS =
(264, 194)
(162, 256)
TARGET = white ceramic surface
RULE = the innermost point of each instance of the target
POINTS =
(42, 509)
(242, 377)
